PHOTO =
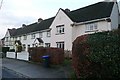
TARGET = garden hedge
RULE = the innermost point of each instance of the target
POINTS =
(97, 55)
(56, 54)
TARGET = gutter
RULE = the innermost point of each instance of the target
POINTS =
(96, 20)
(33, 32)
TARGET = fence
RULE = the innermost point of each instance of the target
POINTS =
(20, 55)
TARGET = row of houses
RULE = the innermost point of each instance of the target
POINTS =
(62, 29)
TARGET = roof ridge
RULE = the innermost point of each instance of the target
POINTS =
(90, 5)
(91, 12)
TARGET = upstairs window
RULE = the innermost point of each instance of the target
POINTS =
(40, 35)
(60, 29)
(25, 37)
(15, 38)
(6, 39)
(48, 34)
(32, 36)
(19, 37)
(91, 27)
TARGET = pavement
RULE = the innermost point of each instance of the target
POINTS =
(32, 70)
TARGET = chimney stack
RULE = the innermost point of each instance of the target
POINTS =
(39, 20)
(67, 10)
(23, 25)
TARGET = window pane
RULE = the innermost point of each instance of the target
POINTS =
(60, 29)
(91, 27)
(95, 26)
(60, 45)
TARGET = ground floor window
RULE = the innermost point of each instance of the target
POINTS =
(47, 44)
(60, 45)
(24, 47)
(33, 45)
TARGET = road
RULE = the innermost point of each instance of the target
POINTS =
(6, 73)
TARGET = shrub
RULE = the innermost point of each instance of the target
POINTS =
(12, 50)
(97, 55)
(5, 49)
(19, 48)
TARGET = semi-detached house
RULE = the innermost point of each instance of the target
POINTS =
(60, 31)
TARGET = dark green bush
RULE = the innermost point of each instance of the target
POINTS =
(12, 50)
(5, 49)
(97, 55)
(105, 51)
(19, 48)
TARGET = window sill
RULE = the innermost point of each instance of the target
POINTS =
(59, 33)
(32, 38)
(48, 36)
(91, 31)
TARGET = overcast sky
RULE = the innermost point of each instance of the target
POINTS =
(14, 13)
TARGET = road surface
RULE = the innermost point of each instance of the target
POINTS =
(10, 74)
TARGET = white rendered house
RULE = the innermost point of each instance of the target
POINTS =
(30, 35)
(60, 31)
(68, 25)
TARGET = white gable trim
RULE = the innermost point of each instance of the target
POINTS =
(57, 15)
(7, 34)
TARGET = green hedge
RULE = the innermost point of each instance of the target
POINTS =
(97, 55)
(105, 51)
(5, 49)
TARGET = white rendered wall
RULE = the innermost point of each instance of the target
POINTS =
(81, 29)
(30, 41)
(114, 17)
(61, 19)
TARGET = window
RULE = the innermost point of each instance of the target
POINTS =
(28, 46)
(48, 34)
(6, 39)
(47, 44)
(33, 45)
(25, 37)
(60, 45)
(60, 29)
(19, 37)
(91, 27)
(24, 47)
(32, 36)
(15, 38)
(40, 35)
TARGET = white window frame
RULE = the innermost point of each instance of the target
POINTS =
(19, 37)
(60, 45)
(24, 47)
(15, 38)
(91, 27)
(40, 35)
(6, 39)
(25, 37)
(48, 33)
(33, 36)
(47, 44)
(60, 29)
